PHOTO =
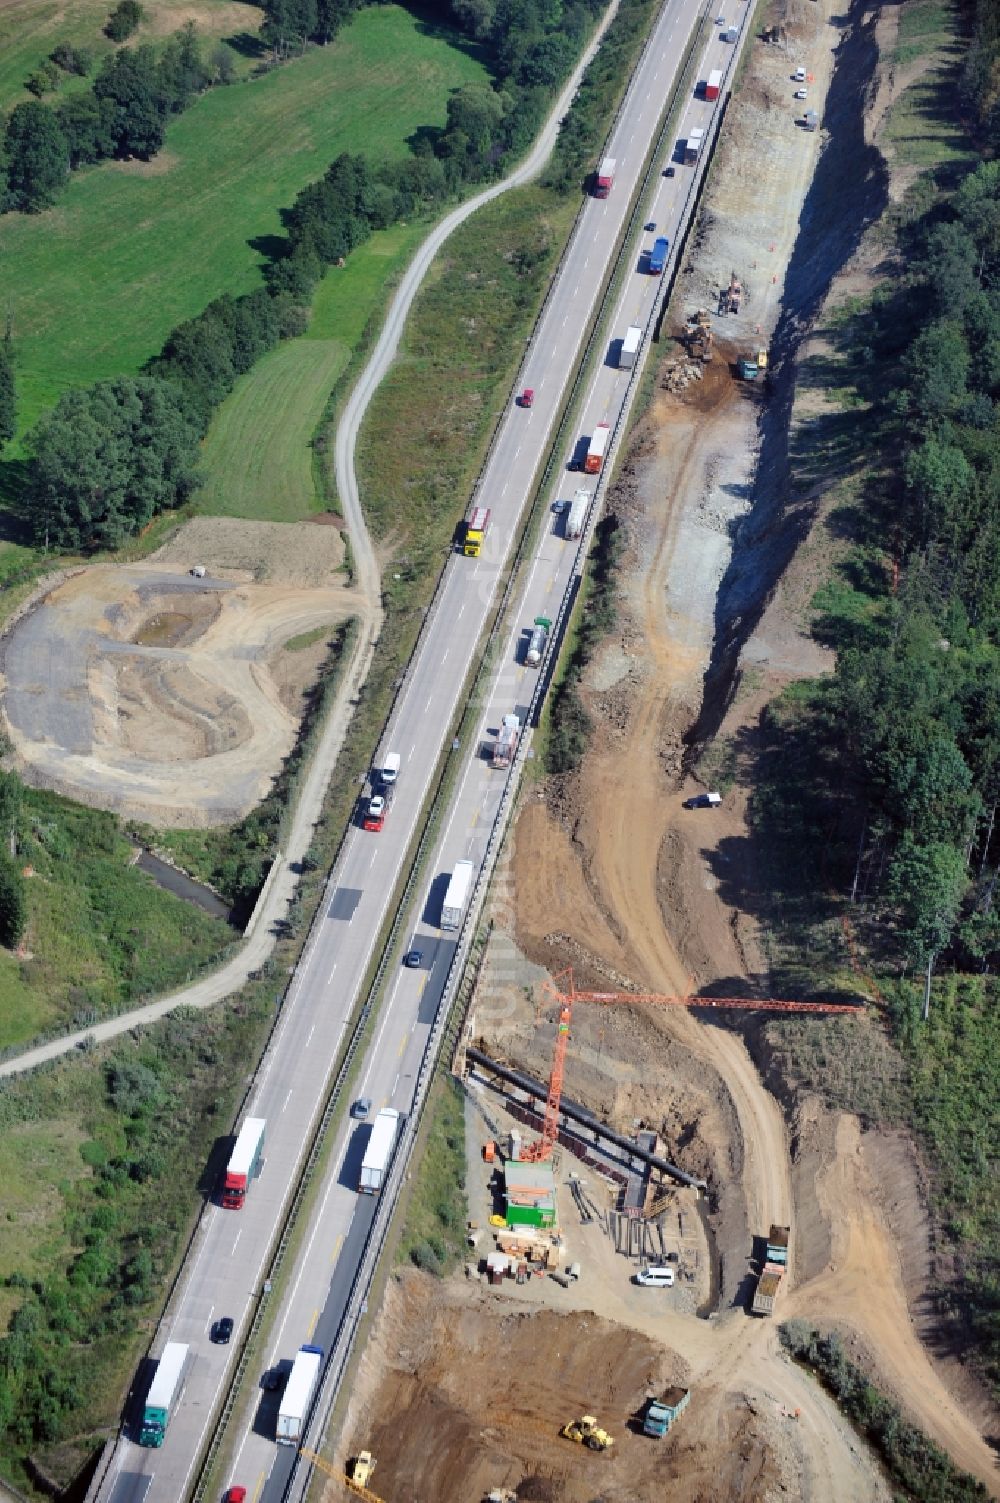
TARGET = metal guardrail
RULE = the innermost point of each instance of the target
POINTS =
(357, 1300)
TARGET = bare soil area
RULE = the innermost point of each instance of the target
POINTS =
(170, 697)
(607, 873)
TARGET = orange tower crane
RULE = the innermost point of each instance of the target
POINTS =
(563, 992)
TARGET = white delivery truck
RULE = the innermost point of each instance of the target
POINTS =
(630, 347)
(298, 1395)
(457, 895)
(378, 1154)
(577, 516)
(389, 771)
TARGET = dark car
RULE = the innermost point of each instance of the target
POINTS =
(272, 1379)
(412, 959)
(669, 172)
(703, 801)
(222, 1331)
(361, 1108)
(651, 224)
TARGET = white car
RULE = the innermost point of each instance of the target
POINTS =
(720, 20)
(656, 1276)
(801, 94)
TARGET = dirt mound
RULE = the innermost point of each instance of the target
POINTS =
(166, 694)
(472, 1396)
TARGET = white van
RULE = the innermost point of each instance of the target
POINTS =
(389, 771)
(799, 75)
(656, 1276)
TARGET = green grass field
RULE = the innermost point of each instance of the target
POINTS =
(96, 283)
(29, 29)
(257, 459)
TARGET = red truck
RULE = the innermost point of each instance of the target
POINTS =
(596, 449)
(713, 84)
(244, 1163)
(605, 178)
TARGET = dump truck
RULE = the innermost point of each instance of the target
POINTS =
(508, 736)
(164, 1393)
(587, 1432)
(662, 1410)
(605, 178)
(775, 1267)
(597, 449)
(378, 1154)
(457, 895)
(658, 255)
(476, 529)
(576, 517)
(693, 144)
(538, 641)
(713, 84)
(298, 1395)
(630, 347)
(747, 367)
(244, 1163)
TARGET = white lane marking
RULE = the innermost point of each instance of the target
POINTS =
(238, 1236)
(287, 1099)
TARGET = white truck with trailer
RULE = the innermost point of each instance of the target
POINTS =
(457, 895)
(298, 1395)
(576, 517)
(378, 1154)
(630, 347)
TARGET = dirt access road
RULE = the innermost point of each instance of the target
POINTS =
(651, 894)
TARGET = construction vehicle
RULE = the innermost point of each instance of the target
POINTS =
(562, 990)
(364, 1465)
(730, 297)
(762, 360)
(746, 368)
(351, 1481)
(663, 1410)
(698, 336)
(507, 740)
(775, 1267)
(587, 1432)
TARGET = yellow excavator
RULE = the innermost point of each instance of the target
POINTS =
(587, 1432)
(357, 1480)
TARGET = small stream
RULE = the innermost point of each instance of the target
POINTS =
(182, 886)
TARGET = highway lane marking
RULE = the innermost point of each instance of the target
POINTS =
(311, 1032)
(238, 1236)
(328, 980)
(402, 1046)
(394, 1085)
(336, 1247)
(287, 1099)
(476, 813)
(261, 1484)
(443, 656)
(374, 854)
(312, 1324)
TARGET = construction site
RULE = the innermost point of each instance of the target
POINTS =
(645, 1208)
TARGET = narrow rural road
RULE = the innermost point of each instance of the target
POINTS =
(281, 886)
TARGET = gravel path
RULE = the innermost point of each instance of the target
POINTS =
(273, 904)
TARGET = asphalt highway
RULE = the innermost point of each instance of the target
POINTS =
(226, 1267)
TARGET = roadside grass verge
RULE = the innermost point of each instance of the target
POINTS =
(912, 1460)
(258, 458)
(100, 933)
(124, 1139)
(433, 1233)
(154, 244)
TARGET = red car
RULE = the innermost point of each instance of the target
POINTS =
(235, 1495)
(528, 397)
